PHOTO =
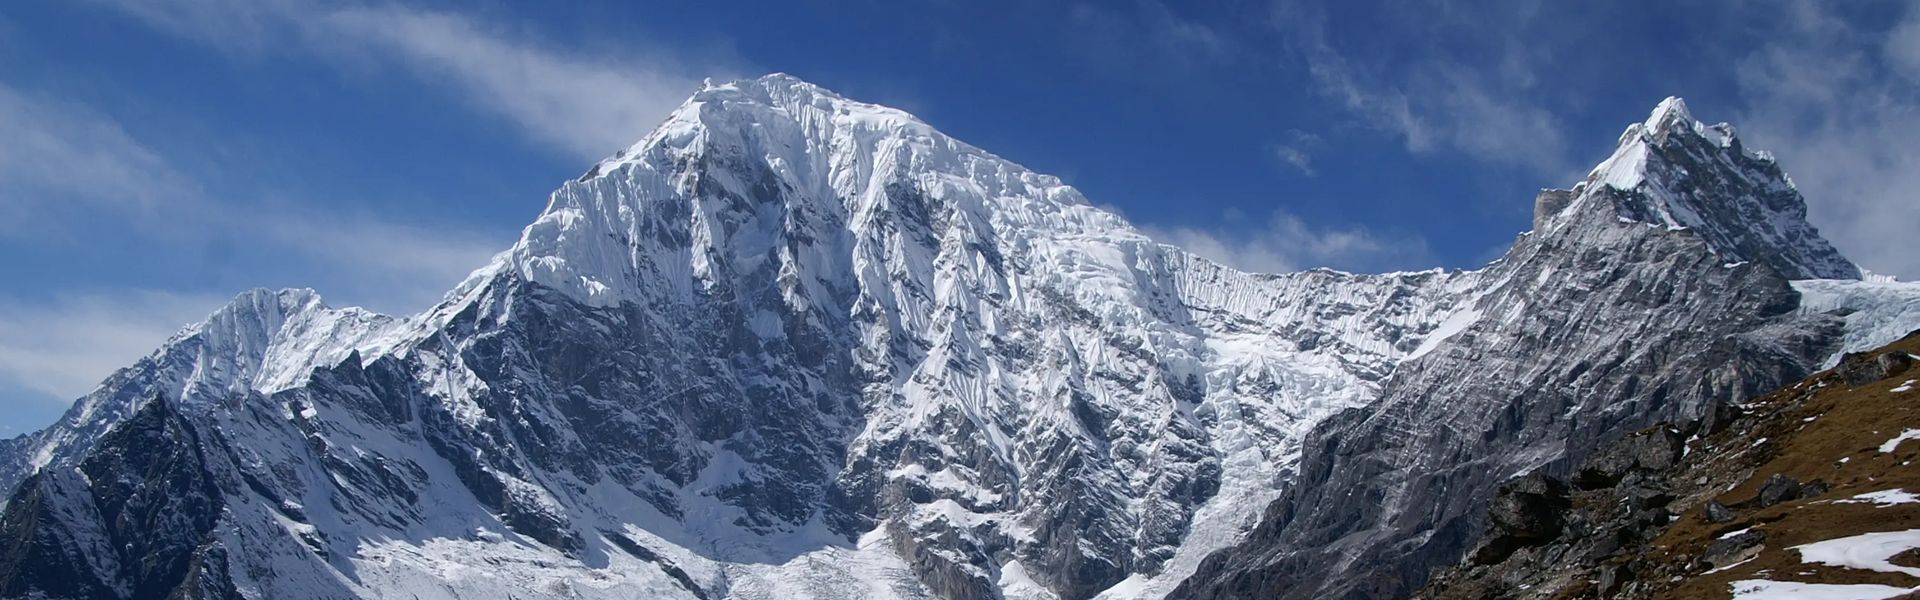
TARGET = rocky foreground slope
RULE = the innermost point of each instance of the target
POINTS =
(791, 345)
(1807, 492)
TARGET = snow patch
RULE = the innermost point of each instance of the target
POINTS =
(1761, 589)
(1868, 551)
(1894, 444)
(1883, 498)
(1454, 324)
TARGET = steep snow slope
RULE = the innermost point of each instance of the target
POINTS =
(790, 345)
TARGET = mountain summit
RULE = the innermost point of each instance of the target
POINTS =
(790, 345)
(1675, 172)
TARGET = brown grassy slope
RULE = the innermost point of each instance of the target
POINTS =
(1648, 536)
(1821, 428)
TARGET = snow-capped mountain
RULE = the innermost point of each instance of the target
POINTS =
(791, 345)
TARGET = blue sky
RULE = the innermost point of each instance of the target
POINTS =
(161, 156)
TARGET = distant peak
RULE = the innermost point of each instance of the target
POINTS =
(1674, 172)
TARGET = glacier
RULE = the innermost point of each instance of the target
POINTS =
(792, 345)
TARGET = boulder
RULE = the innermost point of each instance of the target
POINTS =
(1778, 488)
(1733, 549)
(1861, 368)
(1654, 449)
(1719, 513)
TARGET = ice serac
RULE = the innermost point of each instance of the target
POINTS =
(1663, 283)
(791, 345)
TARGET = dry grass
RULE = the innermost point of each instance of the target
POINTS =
(1818, 429)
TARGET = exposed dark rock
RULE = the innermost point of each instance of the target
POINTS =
(1718, 513)
(1529, 507)
(1814, 489)
(1861, 368)
(1650, 450)
(1524, 512)
(1549, 203)
(1735, 548)
(1655, 533)
(1612, 577)
(1776, 489)
(1718, 415)
(144, 493)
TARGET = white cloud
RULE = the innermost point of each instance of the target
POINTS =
(585, 106)
(397, 268)
(1839, 103)
(67, 170)
(1434, 100)
(1298, 150)
(66, 346)
(1288, 244)
(55, 153)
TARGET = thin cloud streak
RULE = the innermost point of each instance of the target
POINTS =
(56, 151)
(1149, 33)
(1436, 102)
(66, 347)
(1287, 244)
(1840, 106)
(396, 268)
(71, 168)
(585, 106)
(1298, 151)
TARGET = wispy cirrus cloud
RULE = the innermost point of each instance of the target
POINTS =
(1838, 101)
(56, 151)
(1479, 101)
(586, 105)
(1287, 244)
(1297, 150)
(65, 347)
(68, 168)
